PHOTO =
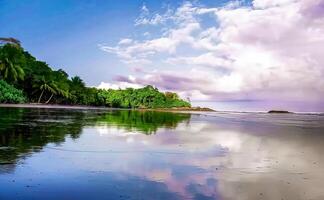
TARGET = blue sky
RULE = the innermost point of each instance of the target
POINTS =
(237, 52)
(66, 33)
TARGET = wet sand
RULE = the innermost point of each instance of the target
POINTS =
(77, 107)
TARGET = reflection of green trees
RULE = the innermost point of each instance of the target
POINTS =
(146, 122)
(24, 131)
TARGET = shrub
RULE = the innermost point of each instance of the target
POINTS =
(9, 94)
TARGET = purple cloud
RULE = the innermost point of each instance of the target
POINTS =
(269, 51)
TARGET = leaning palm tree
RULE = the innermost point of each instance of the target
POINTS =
(11, 61)
(58, 91)
(44, 85)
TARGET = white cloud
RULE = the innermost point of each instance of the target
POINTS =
(119, 85)
(146, 18)
(271, 50)
(271, 3)
(125, 41)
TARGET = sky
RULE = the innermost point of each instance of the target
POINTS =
(228, 55)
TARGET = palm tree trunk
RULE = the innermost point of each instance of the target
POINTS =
(40, 97)
(49, 99)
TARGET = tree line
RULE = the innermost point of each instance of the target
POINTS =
(24, 79)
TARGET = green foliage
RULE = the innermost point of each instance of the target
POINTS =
(9, 94)
(11, 62)
(80, 94)
(147, 97)
(44, 85)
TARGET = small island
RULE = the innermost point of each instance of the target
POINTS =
(26, 80)
(279, 112)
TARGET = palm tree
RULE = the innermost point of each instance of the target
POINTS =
(44, 85)
(50, 86)
(49, 99)
(59, 91)
(77, 82)
(11, 61)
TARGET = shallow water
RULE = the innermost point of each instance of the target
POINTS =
(80, 154)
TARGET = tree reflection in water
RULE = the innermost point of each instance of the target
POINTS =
(23, 131)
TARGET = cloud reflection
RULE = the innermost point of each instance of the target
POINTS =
(210, 159)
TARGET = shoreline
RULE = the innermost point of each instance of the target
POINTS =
(80, 107)
(180, 110)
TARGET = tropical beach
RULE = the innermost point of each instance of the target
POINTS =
(161, 100)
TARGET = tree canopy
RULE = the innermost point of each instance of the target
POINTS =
(147, 97)
(11, 61)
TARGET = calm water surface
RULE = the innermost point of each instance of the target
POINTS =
(80, 154)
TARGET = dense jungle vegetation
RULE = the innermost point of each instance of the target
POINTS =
(24, 79)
